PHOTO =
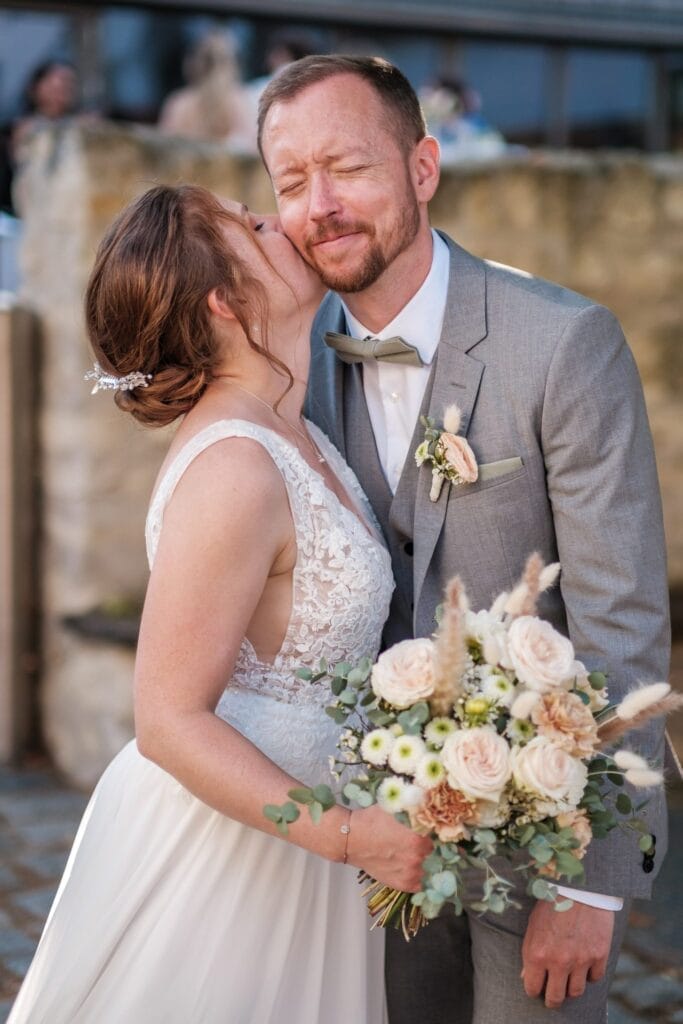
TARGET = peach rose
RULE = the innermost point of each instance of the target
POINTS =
(442, 811)
(458, 454)
(406, 673)
(477, 761)
(563, 718)
(544, 768)
(542, 658)
(578, 822)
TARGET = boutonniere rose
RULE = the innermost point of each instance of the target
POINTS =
(451, 457)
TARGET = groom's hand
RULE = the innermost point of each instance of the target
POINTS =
(563, 950)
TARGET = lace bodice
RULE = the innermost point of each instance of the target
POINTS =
(342, 581)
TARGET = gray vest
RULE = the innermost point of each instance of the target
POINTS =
(395, 512)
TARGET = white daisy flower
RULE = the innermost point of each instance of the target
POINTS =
(405, 754)
(520, 730)
(438, 729)
(498, 688)
(391, 794)
(430, 771)
(376, 747)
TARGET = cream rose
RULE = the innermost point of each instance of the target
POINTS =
(406, 673)
(477, 762)
(544, 768)
(458, 454)
(542, 658)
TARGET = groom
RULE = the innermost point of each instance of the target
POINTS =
(553, 409)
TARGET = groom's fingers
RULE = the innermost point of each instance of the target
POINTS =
(534, 980)
(577, 982)
(597, 971)
(556, 988)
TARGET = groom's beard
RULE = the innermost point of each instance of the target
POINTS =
(379, 255)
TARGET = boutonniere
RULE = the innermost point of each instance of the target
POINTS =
(451, 457)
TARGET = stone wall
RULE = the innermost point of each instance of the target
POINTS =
(609, 226)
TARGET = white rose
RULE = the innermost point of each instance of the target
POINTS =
(406, 673)
(477, 762)
(542, 658)
(544, 768)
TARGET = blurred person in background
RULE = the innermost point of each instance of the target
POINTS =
(452, 109)
(283, 48)
(214, 106)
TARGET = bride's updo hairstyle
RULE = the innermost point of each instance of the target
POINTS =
(146, 303)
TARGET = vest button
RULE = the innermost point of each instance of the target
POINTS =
(408, 548)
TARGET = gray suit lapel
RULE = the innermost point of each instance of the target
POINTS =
(457, 377)
(325, 395)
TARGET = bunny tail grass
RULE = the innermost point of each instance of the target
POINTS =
(613, 727)
(450, 648)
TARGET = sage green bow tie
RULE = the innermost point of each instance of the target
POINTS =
(391, 350)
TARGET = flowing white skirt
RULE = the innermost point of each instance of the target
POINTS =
(170, 913)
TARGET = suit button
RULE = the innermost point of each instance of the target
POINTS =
(649, 857)
(408, 548)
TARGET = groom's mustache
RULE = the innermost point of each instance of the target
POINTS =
(335, 228)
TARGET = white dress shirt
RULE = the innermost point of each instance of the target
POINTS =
(394, 394)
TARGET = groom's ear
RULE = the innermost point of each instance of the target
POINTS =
(424, 162)
(219, 306)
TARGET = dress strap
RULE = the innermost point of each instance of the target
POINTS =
(221, 430)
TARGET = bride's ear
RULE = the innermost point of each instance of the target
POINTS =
(219, 306)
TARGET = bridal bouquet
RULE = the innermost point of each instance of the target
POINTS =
(491, 738)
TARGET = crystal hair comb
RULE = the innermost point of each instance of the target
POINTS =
(110, 382)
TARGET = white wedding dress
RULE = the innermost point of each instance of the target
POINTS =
(171, 913)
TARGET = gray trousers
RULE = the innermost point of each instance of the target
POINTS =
(466, 970)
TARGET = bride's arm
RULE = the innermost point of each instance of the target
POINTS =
(226, 530)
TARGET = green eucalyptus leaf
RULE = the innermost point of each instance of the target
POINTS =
(598, 680)
(623, 803)
(304, 673)
(324, 795)
(290, 812)
(273, 813)
(445, 883)
(316, 812)
(302, 795)
(562, 905)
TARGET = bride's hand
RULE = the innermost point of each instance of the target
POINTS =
(388, 851)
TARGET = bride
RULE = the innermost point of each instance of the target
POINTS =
(180, 902)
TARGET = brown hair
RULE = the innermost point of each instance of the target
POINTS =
(397, 95)
(146, 308)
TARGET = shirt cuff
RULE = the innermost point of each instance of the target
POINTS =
(592, 899)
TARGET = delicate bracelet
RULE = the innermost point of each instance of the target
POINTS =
(345, 830)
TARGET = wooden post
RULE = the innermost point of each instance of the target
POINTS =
(18, 527)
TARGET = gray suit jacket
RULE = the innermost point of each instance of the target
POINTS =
(544, 375)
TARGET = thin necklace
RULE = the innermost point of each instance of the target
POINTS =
(309, 441)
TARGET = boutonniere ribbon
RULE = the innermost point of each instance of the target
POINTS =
(450, 455)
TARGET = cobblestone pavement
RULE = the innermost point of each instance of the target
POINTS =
(39, 816)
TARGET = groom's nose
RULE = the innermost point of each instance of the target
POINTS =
(323, 201)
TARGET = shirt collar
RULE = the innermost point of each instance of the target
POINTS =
(421, 319)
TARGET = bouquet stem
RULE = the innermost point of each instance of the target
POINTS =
(391, 907)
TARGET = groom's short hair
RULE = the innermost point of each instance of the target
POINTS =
(397, 95)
